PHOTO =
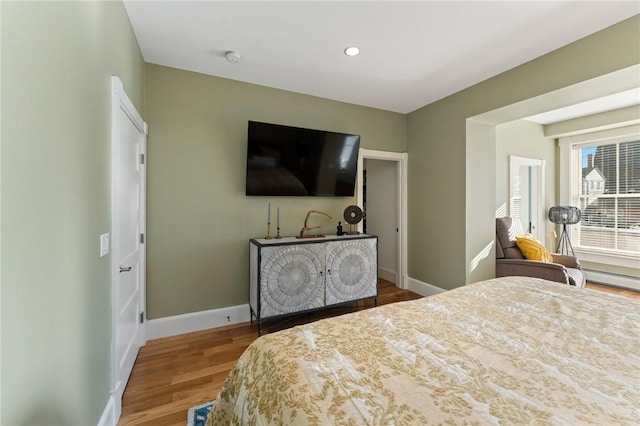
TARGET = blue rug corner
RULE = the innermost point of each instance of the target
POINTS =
(196, 416)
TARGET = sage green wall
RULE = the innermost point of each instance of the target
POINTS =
(447, 229)
(526, 139)
(199, 219)
(57, 62)
(478, 253)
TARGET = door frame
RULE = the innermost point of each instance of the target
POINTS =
(401, 160)
(121, 102)
(537, 180)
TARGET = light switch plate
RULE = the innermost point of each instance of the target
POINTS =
(104, 244)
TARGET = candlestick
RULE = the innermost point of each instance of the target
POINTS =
(268, 237)
(277, 237)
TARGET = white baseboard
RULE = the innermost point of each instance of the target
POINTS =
(196, 321)
(109, 417)
(422, 288)
(387, 274)
(624, 281)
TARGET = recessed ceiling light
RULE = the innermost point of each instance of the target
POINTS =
(351, 51)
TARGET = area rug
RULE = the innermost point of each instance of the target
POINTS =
(198, 415)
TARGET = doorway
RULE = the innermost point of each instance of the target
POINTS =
(526, 194)
(383, 198)
(380, 203)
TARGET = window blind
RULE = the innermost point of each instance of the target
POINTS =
(606, 187)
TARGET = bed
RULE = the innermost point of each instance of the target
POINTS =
(510, 350)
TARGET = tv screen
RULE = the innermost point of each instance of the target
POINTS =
(292, 161)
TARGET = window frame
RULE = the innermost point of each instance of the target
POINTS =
(569, 183)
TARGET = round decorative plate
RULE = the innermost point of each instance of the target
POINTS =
(353, 214)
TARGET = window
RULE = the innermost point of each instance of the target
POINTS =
(604, 181)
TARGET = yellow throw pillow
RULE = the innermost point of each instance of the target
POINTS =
(533, 249)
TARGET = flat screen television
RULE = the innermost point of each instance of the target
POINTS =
(293, 161)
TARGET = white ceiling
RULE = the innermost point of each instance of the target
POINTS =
(605, 103)
(412, 53)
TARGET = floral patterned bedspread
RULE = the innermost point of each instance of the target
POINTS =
(510, 350)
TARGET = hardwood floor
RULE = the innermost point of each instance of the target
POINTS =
(614, 290)
(175, 373)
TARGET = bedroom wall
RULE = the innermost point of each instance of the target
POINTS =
(526, 139)
(57, 62)
(199, 220)
(449, 230)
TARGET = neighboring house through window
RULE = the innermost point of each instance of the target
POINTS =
(600, 174)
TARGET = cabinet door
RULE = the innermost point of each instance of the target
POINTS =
(291, 279)
(351, 270)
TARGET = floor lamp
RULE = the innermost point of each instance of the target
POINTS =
(565, 215)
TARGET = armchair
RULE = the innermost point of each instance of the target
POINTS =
(510, 261)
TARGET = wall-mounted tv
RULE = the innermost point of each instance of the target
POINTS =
(292, 161)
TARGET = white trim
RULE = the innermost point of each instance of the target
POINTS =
(197, 321)
(204, 320)
(422, 288)
(108, 417)
(614, 259)
(603, 137)
(632, 283)
(387, 274)
(142, 336)
(524, 161)
(117, 89)
(121, 102)
(402, 161)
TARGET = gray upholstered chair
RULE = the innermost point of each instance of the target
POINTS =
(510, 261)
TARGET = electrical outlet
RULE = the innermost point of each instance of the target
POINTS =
(104, 244)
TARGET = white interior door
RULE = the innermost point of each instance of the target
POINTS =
(526, 194)
(127, 227)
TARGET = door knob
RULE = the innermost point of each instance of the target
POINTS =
(127, 269)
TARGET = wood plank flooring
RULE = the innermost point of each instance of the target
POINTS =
(175, 373)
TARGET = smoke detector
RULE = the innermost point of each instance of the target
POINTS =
(233, 57)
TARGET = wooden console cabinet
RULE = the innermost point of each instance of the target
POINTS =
(291, 275)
